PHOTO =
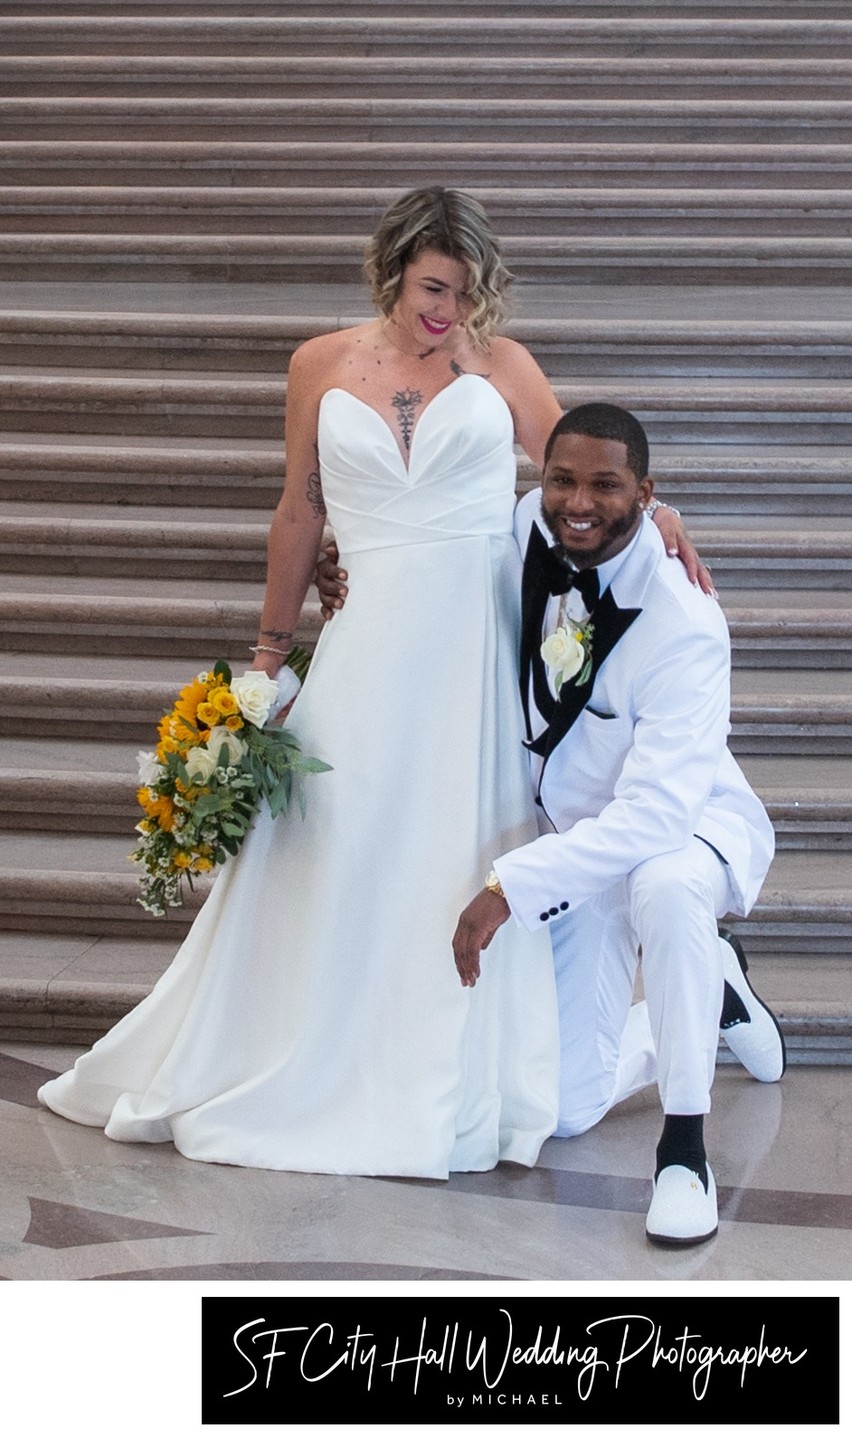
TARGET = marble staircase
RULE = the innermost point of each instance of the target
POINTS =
(185, 190)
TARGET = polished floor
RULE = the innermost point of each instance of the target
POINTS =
(76, 1206)
(160, 1231)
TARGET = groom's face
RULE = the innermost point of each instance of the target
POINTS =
(591, 500)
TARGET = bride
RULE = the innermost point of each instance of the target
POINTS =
(312, 1019)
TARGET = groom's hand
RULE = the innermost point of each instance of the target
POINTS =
(474, 931)
(329, 579)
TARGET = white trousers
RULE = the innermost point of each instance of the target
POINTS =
(611, 1046)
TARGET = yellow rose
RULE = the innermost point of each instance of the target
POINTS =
(224, 702)
(207, 715)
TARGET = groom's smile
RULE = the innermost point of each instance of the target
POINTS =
(591, 500)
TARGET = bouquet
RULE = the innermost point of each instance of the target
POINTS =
(213, 766)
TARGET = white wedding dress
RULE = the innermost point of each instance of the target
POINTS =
(313, 1019)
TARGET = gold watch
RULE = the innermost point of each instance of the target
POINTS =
(493, 884)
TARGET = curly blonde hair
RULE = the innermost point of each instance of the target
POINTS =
(454, 224)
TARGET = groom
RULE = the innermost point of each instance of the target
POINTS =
(649, 831)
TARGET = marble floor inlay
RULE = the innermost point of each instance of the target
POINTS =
(79, 1207)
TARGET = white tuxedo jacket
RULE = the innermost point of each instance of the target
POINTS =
(645, 764)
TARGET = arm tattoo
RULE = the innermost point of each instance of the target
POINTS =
(282, 635)
(315, 498)
(405, 401)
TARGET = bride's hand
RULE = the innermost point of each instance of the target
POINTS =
(329, 580)
(680, 546)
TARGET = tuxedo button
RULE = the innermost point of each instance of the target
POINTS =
(563, 906)
(554, 912)
(544, 917)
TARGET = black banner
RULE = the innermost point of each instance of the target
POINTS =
(410, 1360)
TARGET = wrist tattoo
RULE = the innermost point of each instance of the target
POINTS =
(280, 634)
(405, 401)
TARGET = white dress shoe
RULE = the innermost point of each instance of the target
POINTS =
(754, 1037)
(681, 1212)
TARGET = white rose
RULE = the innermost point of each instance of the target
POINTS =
(149, 769)
(224, 738)
(255, 693)
(563, 653)
(200, 764)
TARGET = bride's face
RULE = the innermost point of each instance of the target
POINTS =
(433, 300)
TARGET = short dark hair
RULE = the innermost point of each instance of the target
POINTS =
(605, 421)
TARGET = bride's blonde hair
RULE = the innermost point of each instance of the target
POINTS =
(454, 224)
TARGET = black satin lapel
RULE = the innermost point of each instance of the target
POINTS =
(610, 624)
(534, 599)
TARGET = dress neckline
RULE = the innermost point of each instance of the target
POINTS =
(338, 389)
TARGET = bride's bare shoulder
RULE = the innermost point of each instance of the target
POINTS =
(315, 361)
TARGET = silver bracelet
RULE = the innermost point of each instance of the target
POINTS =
(267, 649)
(655, 504)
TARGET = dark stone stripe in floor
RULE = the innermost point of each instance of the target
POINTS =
(59, 1225)
(299, 1272)
(20, 1081)
(617, 1194)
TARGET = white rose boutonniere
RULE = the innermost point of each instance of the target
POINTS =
(255, 693)
(568, 654)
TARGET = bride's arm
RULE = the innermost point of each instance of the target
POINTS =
(297, 525)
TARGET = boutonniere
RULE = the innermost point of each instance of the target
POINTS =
(568, 653)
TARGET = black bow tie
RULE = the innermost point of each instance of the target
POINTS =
(560, 578)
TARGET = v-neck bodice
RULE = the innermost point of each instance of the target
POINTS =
(460, 478)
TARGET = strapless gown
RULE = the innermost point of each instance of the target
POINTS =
(313, 1019)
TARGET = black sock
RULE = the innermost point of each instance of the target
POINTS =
(682, 1144)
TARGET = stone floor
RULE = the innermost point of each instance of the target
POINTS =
(162, 1230)
(77, 1206)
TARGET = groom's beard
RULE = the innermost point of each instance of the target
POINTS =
(613, 537)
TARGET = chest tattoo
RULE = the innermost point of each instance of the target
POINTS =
(405, 402)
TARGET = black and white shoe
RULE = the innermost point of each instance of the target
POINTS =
(683, 1212)
(748, 1027)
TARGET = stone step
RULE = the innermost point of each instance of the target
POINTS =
(537, 9)
(704, 348)
(796, 481)
(587, 259)
(71, 989)
(140, 469)
(364, 120)
(66, 885)
(146, 470)
(173, 545)
(133, 617)
(252, 406)
(205, 621)
(560, 163)
(259, 210)
(808, 798)
(804, 911)
(432, 36)
(378, 77)
(52, 786)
